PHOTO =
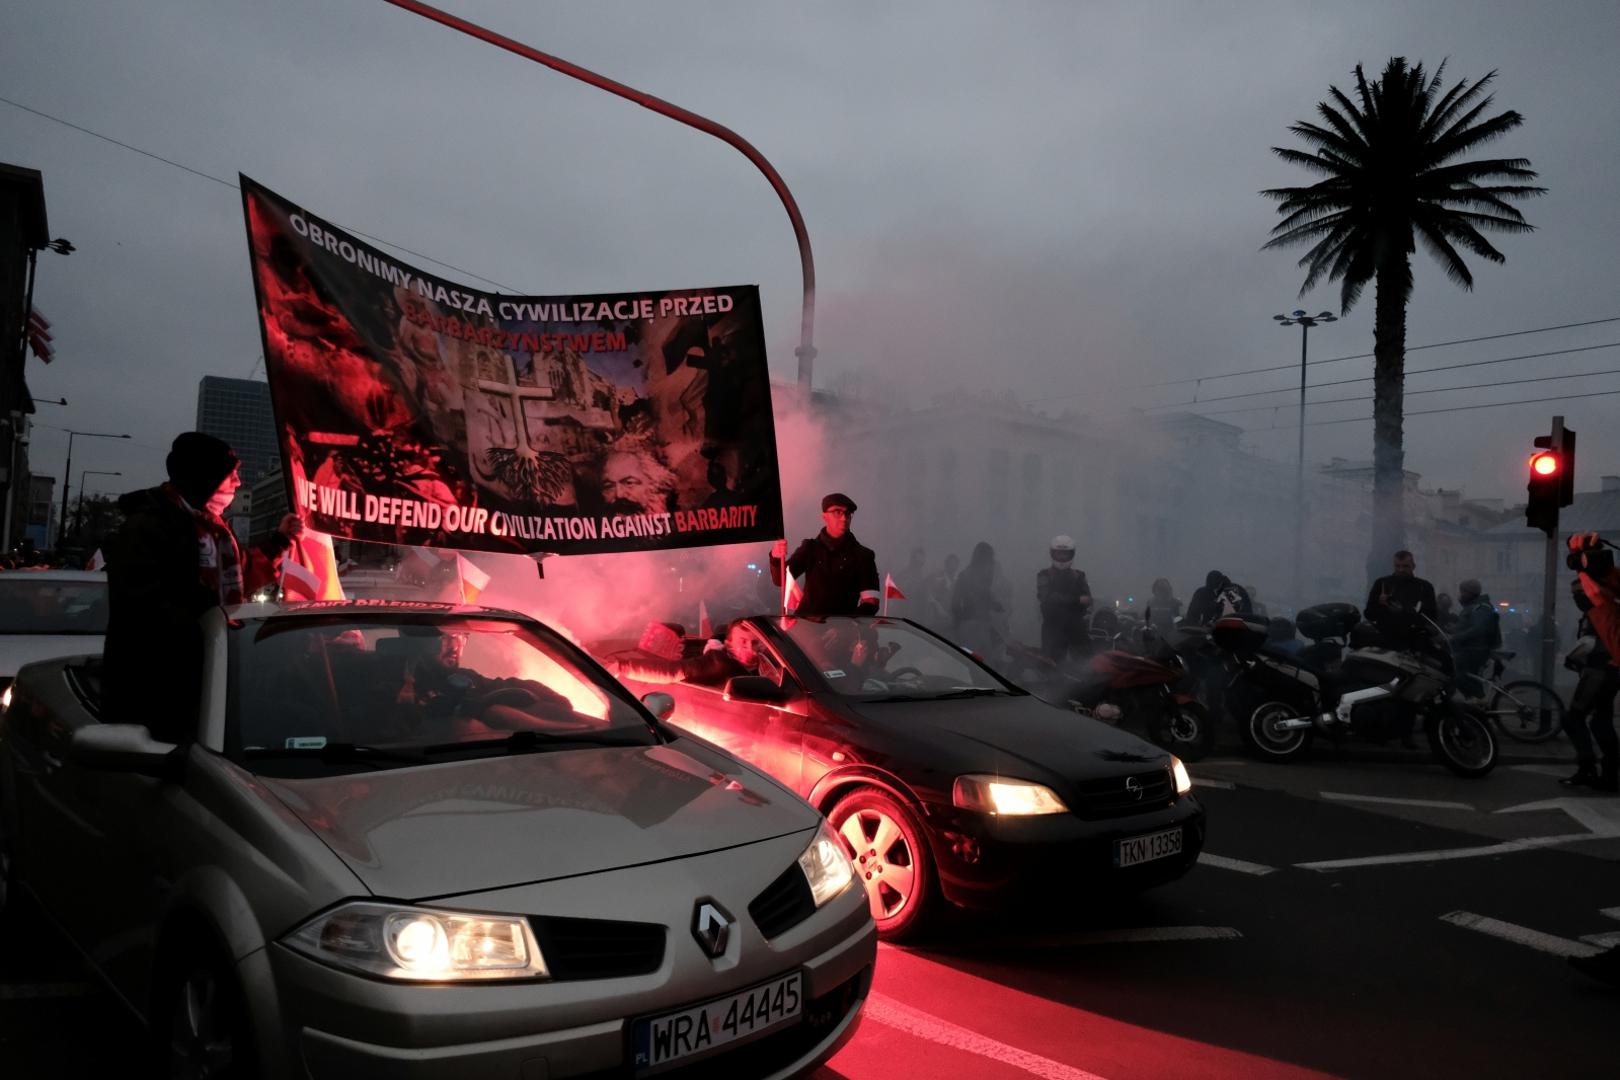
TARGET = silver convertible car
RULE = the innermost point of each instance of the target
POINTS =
(421, 840)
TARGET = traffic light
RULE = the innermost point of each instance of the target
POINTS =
(1552, 478)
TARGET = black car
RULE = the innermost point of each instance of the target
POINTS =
(946, 781)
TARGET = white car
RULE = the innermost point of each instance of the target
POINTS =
(48, 613)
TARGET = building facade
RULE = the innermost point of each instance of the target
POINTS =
(238, 411)
(23, 234)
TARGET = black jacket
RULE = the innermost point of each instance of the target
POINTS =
(1398, 606)
(1208, 604)
(152, 660)
(1058, 590)
(840, 576)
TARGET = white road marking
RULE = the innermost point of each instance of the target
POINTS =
(1603, 941)
(1446, 854)
(1433, 804)
(1611, 912)
(1519, 935)
(1221, 785)
(1221, 862)
(891, 1013)
(24, 991)
(1131, 936)
(1542, 770)
(1601, 816)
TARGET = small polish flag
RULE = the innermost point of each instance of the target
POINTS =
(705, 627)
(39, 335)
(298, 582)
(473, 580)
(98, 561)
(891, 591)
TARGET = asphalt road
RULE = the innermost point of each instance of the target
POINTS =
(1356, 917)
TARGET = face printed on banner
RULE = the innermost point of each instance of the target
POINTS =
(632, 484)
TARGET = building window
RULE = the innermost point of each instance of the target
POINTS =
(999, 467)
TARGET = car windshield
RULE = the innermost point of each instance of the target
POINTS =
(879, 659)
(316, 696)
(42, 605)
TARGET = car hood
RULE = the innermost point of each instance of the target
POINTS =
(19, 649)
(468, 826)
(1022, 736)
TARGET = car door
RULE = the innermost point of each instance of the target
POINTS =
(767, 736)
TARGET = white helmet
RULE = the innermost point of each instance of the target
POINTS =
(1062, 549)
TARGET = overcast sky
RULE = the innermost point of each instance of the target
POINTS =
(1058, 199)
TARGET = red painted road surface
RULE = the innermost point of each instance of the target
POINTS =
(928, 1020)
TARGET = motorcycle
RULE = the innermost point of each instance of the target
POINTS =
(1155, 690)
(1347, 685)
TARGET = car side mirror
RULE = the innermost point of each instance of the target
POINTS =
(660, 705)
(126, 748)
(759, 690)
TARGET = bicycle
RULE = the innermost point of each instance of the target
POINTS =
(1525, 710)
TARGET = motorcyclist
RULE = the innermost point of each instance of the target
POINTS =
(1478, 631)
(1218, 597)
(1064, 597)
(1165, 608)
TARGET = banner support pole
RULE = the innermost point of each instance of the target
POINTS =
(806, 352)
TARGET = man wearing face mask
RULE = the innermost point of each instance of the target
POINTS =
(173, 559)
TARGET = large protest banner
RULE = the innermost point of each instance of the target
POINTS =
(411, 410)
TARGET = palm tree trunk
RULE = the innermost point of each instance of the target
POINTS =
(1389, 396)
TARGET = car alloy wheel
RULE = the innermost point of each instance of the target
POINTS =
(205, 1024)
(891, 857)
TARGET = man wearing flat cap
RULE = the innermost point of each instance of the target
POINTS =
(840, 574)
(173, 559)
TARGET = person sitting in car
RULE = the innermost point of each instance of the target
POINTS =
(737, 654)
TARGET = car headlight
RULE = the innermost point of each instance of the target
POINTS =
(5, 694)
(826, 867)
(1183, 780)
(998, 795)
(421, 944)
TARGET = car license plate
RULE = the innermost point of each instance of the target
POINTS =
(1140, 849)
(700, 1029)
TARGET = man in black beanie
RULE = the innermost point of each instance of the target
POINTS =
(173, 559)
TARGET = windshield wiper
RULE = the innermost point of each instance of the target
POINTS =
(341, 752)
(523, 741)
(955, 692)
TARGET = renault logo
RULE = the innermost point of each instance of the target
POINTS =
(711, 925)
(1133, 787)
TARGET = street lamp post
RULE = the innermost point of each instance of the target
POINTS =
(806, 352)
(67, 475)
(78, 509)
(1304, 322)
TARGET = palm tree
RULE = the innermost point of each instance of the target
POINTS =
(1390, 177)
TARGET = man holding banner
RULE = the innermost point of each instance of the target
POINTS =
(840, 573)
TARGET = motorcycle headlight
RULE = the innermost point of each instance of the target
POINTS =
(421, 944)
(826, 868)
(998, 795)
(1183, 778)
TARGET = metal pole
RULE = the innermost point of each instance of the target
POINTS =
(806, 351)
(67, 481)
(1299, 479)
(1549, 597)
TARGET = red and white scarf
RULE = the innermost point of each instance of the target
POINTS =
(219, 559)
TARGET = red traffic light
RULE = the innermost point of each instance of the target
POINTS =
(1544, 463)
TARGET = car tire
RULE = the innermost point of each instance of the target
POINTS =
(200, 1024)
(892, 859)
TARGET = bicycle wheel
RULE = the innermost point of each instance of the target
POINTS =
(1527, 711)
